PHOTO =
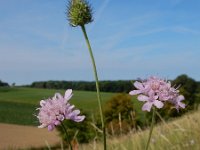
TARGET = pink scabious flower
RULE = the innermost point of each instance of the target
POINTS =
(54, 110)
(155, 92)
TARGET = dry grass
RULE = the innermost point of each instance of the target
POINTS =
(180, 134)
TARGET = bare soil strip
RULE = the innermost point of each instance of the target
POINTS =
(17, 136)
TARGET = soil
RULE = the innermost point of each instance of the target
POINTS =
(24, 137)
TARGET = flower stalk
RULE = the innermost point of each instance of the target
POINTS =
(67, 135)
(97, 84)
(79, 14)
(151, 128)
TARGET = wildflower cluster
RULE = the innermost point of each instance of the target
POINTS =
(155, 92)
(54, 110)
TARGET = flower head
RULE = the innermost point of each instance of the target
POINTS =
(54, 110)
(155, 92)
(79, 13)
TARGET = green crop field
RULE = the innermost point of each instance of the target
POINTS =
(18, 105)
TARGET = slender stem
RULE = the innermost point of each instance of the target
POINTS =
(67, 135)
(151, 129)
(97, 84)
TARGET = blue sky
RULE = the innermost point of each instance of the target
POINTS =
(130, 39)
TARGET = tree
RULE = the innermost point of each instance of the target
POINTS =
(3, 83)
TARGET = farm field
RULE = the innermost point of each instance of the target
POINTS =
(18, 105)
(25, 137)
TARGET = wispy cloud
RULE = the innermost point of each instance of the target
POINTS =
(182, 29)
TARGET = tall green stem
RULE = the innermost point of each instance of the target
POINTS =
(151, 129)
(97, 84)
(67, 135)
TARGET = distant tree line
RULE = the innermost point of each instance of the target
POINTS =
(111, 86)
(3, 83)
(105, 86)
(118, 86)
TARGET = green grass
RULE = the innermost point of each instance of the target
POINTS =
(18, 105)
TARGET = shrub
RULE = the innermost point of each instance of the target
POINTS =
(119, 116)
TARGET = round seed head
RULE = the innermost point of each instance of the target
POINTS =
(79, 13)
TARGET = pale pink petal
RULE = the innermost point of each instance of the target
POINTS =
(51, 127)
(57, 122)
(135, 92)
(60, 117)
(42, 126)
(138, 85)
(151, 93)
(57, 96)
(168, 84)
(179, 103)
(156, 97)
(182, 105)
(79, 118)
(180, 98)
(147, 106)
(72, 114)
(143, 98)
(76, 112)
(70, 107)
(42, 103)
(68, 94)
(158, 104)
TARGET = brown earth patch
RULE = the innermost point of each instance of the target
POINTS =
(18, 136)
